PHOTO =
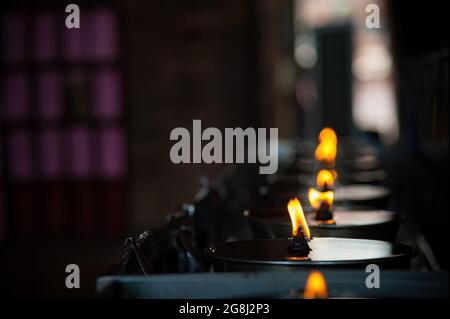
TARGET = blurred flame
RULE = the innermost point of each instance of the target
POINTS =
(316, 198)
(325, 177)
(327, 134)
(298, 217)
(315, 287)
(335, 174)
(327, 148)
(326, 152)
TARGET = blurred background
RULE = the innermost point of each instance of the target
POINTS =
(85, 114)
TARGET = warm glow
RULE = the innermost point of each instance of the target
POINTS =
(327, 134)
(325, 178)
(327, 147)
(326, 152)
(298, 217)
(335, 174)
(316, 198)
(315, 287)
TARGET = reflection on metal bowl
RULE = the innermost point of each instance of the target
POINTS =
(352, 155)
(356, 194)
(349, 223)
(302, 180)
(273, 284)
(272, 254)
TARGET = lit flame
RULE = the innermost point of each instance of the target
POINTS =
(326, 152)
(327, 134)
(298, 217)
(327, 147)
(316, 198)
(325, 177)
(315, 287)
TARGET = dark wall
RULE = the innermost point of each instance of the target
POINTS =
(420, 165)
(179, 61)
(184, 61)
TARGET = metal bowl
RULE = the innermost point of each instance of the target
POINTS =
(355, 194)
(358, 163)
(348, 147)
(352, 155)
(272, 254)
(306, 179)
(273, 284)
(361, 223)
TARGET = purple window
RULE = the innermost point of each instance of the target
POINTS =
(16, 97)
(112, 153)
(107, 94)
(19, 153)
(45, 37)
(50, 154)
(13, 35)
(74, 42)
(103, 34)
(49, 96)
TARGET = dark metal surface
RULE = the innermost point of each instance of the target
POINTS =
(349, 147)
(356, 194)
(350, 223)
(340, 284)
(353, 155)
(357, 163)
(272, 254)
(303, 180)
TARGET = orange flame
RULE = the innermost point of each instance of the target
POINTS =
(327, 148)
(297, 217)
(316, 198)
(315, 287)
(327, 134)
(335, 174)
(326, 152)
(325, 177)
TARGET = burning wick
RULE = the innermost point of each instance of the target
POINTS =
(300, 236)
(322, 200)
(315, 287)
(325, 179)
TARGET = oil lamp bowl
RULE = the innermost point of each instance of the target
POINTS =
(289, 181)
(347, 146)
(352, 155)
(327, 252)
(356, 194)
(356, 222)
